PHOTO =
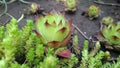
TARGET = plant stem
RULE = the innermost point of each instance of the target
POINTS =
(21, 17)
(10, 15)
(24, 2)
(11, 1)
(80, 32)
(5, 8)
(109, 4)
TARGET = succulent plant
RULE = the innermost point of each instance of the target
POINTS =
(34, 7)
(49, 62)
(70, 5)
(54, 29)
(110, 36)
(93, 11)
(107, 20)
(107, 55)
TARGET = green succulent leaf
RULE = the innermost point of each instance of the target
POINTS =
(49, 62)
(30, 55)
(39, 50)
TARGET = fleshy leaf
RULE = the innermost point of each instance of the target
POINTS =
(65, 53)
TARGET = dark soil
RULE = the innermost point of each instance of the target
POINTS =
(87, 26)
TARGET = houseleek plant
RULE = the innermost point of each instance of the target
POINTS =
(54, 30)
(109, 35)
(93, 11)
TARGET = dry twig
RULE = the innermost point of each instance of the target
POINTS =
(109, 4)
(80, 32)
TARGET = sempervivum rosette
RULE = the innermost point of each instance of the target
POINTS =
(109, 35)
(93, 11)
(54, 29)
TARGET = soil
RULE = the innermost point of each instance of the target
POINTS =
(89, 27)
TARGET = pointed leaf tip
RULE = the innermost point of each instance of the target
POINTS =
(60, 23)
(62, 30)
(47, 24)
(65, 54)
